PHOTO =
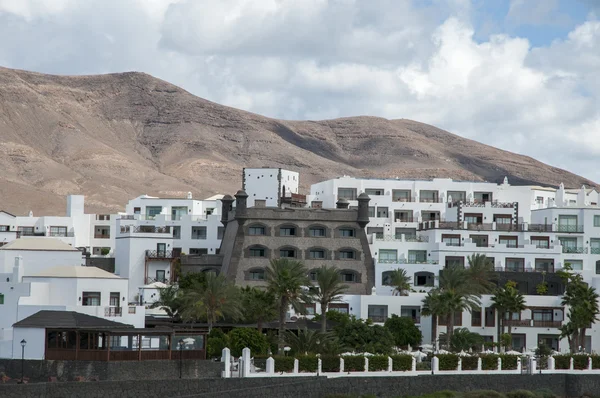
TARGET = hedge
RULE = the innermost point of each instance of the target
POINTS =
(580, 362)
(330, 363)
(509, 362)
(595, 361)
(469, 363)
(401, 363)
(562, 362)
(354, 363)
(448, 361)
(283, 363)
(489, 362)
(378, 363)
(307, 363)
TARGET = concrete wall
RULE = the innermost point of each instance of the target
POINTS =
(568, 385)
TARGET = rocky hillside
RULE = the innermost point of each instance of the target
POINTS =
(113, 137)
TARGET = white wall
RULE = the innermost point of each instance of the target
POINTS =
(36, 261)
(36, 343)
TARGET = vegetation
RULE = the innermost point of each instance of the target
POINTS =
(241, 338)
(507, 301)
(378, 363)
(309, 341)
(259, 306)
(217, 340)
(400, 281)
(361, 336)
(401, 362)
(354, 363)
(169, 301)
(448, 361)
(404, 331)
(308, 363)
(464, 340)
(328, 289)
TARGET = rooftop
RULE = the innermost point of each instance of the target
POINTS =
(68, 320)
(75, 271)
(40, 244)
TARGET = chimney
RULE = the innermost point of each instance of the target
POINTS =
(226, 207)
(241, 204)
(363, 209)
(189, 195)
(342, 204)
(18, 270)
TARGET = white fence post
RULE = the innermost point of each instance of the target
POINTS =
(245, 363)
(479, 364)
(319, 366)
(499, 363)
(571, 363)
(390, 364)
(341, 365)
(551, 363)
(296, 365)
(270, 366)
(226, 361)
(366, 364)
(590, 363)
(435, 365)
(532, 365)
(459, 366)
(413, 364)
(519, 367)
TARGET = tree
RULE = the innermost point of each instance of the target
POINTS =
(361, 336)
(464, 340)
(436, 307)
(308, 341)
(214, 300)
(583, 307)
(286, 280)
(401, 282)
(480, 274)
(241, 338)
(329, 288)
(190, 279)
(169, 300)
(259, 306)
(404, 330)
(507, 300)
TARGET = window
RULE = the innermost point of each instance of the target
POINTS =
(401, 195)
(256, 230)
(473, 218)
(257, 274)
(544, 265)
(91, 298)
(1, 299)
(417, 256)
(542, 315)
(347, 254)
(388, 256)
(457, 196)
(512, 316)
(137, 210)
(347, 233)
(371, 211)
(476, 318)
(177, 212)
(540, 242)
(26, 231)
(595, 246)
(567, 224)
(482, 197)
(515, 264)
(509, 241)
(114, 299)
(257, 252)
(198, 232)
(176, 232)
(479, 240)
(198, 251)
(374, 192)
(596, 221)
(348, 276)
(153, 211)
(209, 211)
(502, 219)
(287, 231)
(377, 313)
(455, 262)
(569, 245)
(220, 232)
(576, 265)
(428, 196)
(287, 253)
(4, 228)
(451, 240)
(160, 275)
(312, 275)
(315, 254)
(316, 232)
(347, 193)
(342, 308)
(382, 212)
(309, 309)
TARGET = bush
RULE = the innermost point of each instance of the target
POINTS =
(354, 363)
(330, 363)
(441, 394)
(509, 362)
(562, 361)
(580, 361)
(483, 394)
(520, 394)
(403, 330)
(489, 362)
(378, 363)
(595, 361)
(469, 363)
(241, 338)
(448, 361)
(423, 366)
(545, 393)
(401, 363)
(307, 363)
(104, 251)
(215, 345)
(283, 364)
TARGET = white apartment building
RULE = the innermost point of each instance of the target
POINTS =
(269, 186)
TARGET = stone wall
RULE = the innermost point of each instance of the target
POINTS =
(568, 385)
(41, 371)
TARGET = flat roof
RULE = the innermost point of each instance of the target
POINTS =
(39, 244)
(74, 271)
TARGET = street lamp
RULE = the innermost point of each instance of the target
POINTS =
(180, 357)
(23, 344)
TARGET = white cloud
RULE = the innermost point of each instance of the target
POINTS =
(327, 58)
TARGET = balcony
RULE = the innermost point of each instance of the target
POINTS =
(539, 227)
(595, 250)
(570, 228)
(547, 324)
(398, 237)
(405, 219)
(517, 322)
(430, 200)
(60, 234)
(145, 229)
(480, 226)
(574, 250)
(101, 236)
(402, 199)
(113, 311)
(161, 254)
(508, 227)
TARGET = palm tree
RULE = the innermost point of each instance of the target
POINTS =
(217, 298)
(583, 307)
(435, 307)
(259, 306)
(507, 300)
(329, 288)
(308, 341)
(401, 282)
(286, 280)
(169, 300)
(481, 274)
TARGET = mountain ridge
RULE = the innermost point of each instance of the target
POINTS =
(113, 137)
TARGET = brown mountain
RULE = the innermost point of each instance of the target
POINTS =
(113, 137)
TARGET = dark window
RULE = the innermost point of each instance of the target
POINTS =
(316, 254)
(220, 232)
(257, 252)
(160, 275)
(198, 251)
(256, 230)
(476, 318)
(312, 275)
(316, 232)
(257, 274)
(287, 231)
(347, 232)
(347, 254)
(348, 276)
(114, 299)
(287, 253)
(91, 298)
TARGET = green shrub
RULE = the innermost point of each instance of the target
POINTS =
(354, 363)
(401, 363)
(441, 394)
(544, 393)
(423, 366)
(469, 363)
(448, 361)
(595, 361)
(330, 363)
(509, 362)
(378, 363)
(283, 363)
(562, 361)
(214, 347)
(580, 361)
(241, 338)
(489, 361)
(520, 394)
(307, 363)
(483, 394)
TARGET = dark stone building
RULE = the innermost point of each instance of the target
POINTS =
(254, 236)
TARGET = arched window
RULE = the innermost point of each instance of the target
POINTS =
(349, 276)
(317, 231)
(211, 271)
(312, 275)
(257, 251)
(288, 252)
(316, 253)
(257, 230)
(256, 274)
(346, 232)
(347, 254)
(423, 278)
(288, 230)
(386, 278)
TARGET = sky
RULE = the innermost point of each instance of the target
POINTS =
(521, 75)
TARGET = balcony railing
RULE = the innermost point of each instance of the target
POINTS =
(508, 227)
(430, 200)
(416, 319)
(167, 254)
(595, 250)
(398, 237)
(452, 243)
(378, 318)
(574, 250)
(61, 234)
(404, 219)
(406, 261)
(145, 229)
(570, 228)
(539, 227)
(113, 311)
(402, 199)
(524, 269)
(547, 324)
(101, 236)
(149, 280)
(415, 238)
(480, 226)
(517, 322)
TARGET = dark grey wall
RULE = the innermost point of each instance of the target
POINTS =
(41, 371)
(570, 386)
